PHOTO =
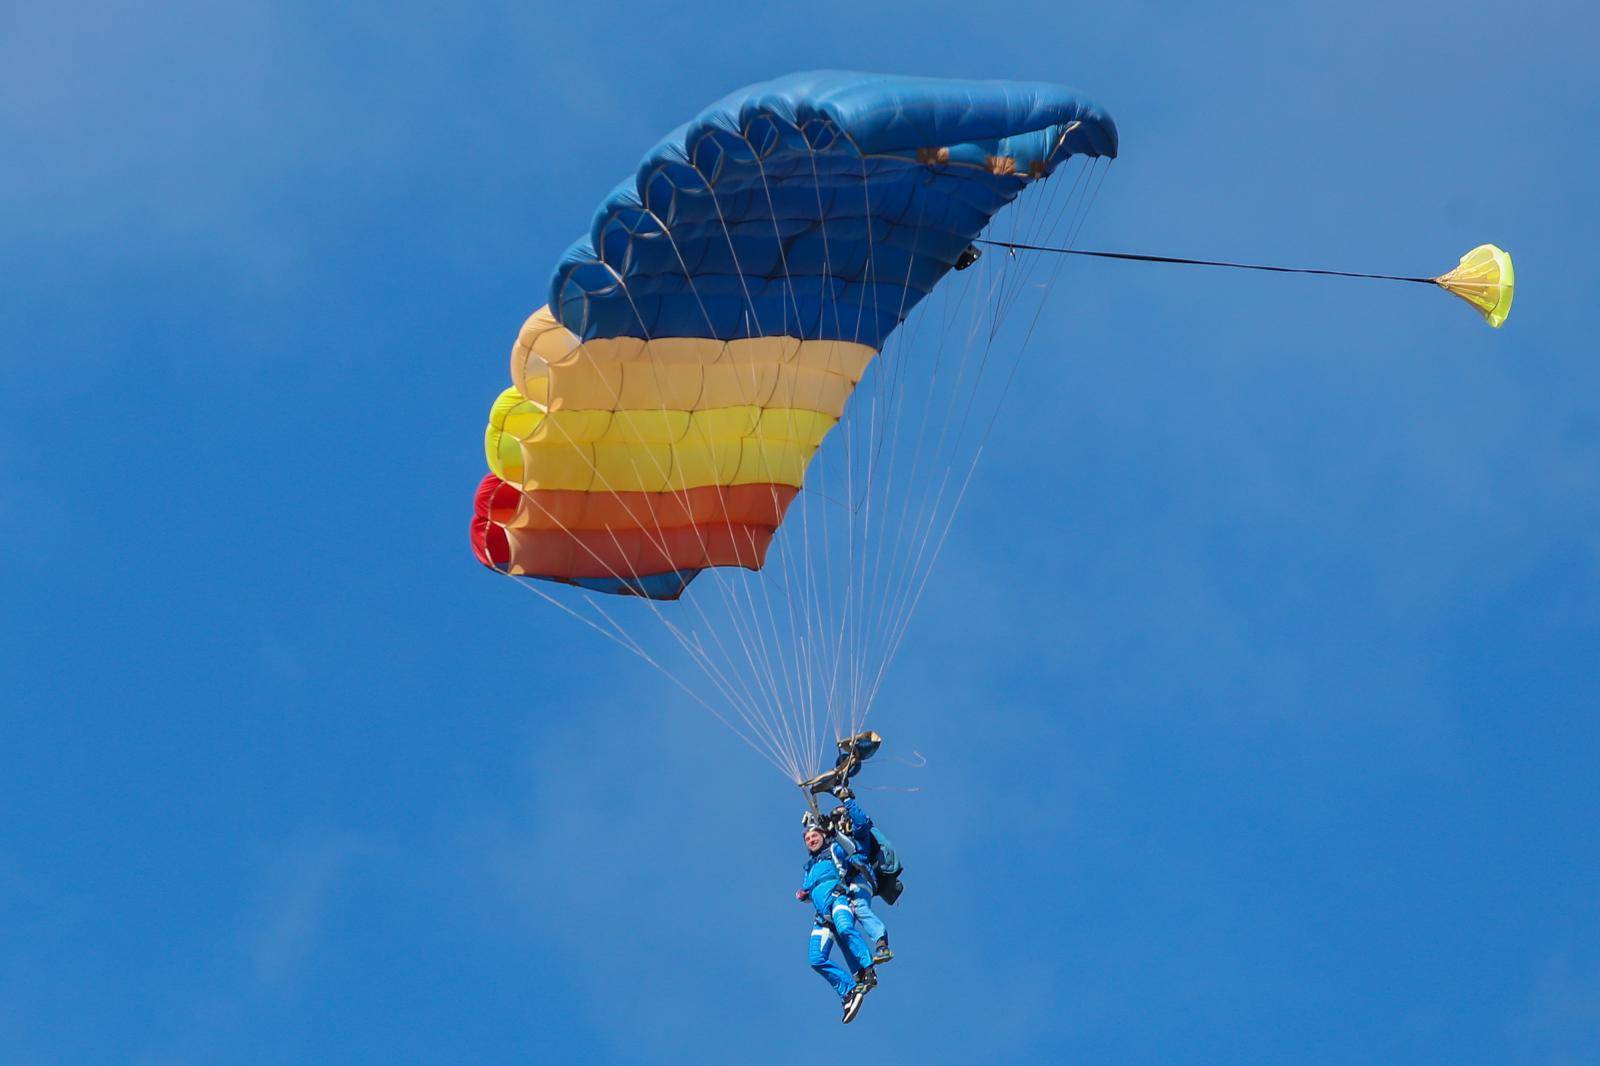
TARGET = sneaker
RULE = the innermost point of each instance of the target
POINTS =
(852, 1005)
(866, 981)
(882, 954)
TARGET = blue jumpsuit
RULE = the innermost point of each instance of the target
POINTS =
(826, 874)
(862, 887)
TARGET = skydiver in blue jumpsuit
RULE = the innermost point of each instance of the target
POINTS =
(855, 824)
(828, 870)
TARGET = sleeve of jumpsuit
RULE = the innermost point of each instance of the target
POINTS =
(861, 830)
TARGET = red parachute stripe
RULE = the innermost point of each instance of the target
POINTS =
(566, 509)
(627, 553)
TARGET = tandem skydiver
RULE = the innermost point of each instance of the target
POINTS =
(830, 867)
(878, 875)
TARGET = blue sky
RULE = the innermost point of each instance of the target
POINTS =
(1288, 723)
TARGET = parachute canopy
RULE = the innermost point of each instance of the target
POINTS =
(1485, 280)
(704, 337)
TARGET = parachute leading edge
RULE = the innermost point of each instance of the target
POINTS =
(1485, 280)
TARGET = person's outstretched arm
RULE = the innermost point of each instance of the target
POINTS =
(860, 820)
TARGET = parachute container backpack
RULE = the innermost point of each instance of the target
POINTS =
(740, 426)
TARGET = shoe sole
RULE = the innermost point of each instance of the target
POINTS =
(854, 1007)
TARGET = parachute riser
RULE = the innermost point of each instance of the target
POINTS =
(853, 751)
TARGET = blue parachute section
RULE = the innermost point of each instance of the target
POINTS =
(666, 586)
(821, 205)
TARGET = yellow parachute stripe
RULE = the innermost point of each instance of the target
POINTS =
(608, 466)
(649, 450)
(623, 414)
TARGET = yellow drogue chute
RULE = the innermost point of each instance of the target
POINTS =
(1485, 280)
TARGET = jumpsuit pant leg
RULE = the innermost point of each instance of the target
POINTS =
(871, 926)
(821, 947)
(844, 924)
